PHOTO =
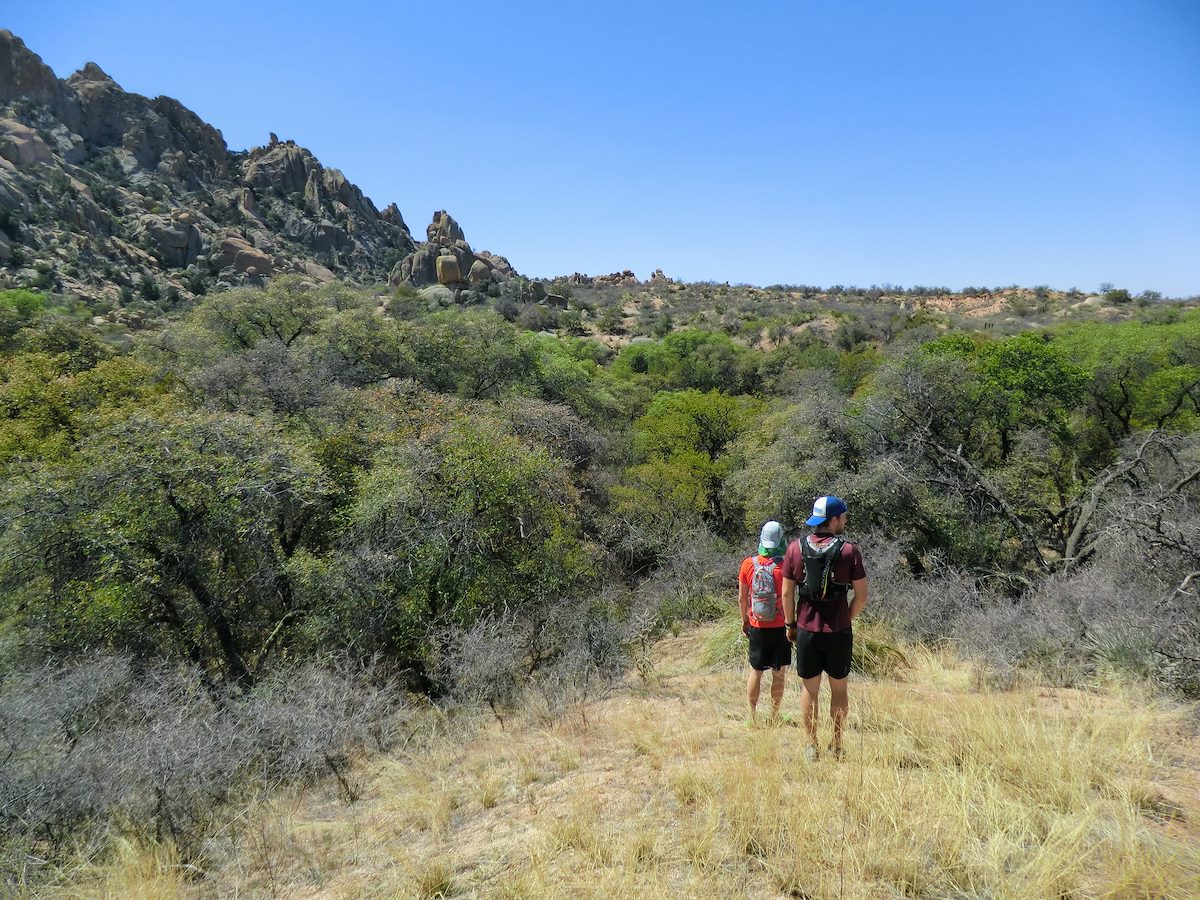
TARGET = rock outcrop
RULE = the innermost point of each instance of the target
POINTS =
(177, 240)
(446, 251)
(102, 184)
(236, 253)
(616, 278)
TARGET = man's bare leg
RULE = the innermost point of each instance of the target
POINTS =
(808, 708)
(777, 681)
(753, 686)
(839, 704)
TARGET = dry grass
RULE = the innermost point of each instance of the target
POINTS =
(946, 791)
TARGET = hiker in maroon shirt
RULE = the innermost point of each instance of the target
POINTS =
(833, 590)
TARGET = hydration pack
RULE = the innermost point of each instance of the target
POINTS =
(764, 599)
(818, 570)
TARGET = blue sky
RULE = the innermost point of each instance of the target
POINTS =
(942, 143)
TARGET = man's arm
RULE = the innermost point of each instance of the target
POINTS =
(789, 607)
(860, 597)
(744, 605)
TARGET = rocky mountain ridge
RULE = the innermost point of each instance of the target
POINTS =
(103, 191)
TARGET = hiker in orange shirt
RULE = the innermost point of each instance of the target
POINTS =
(760, 596)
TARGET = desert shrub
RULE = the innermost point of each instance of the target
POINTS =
(694, 580)
(557, 660)
(101, 749)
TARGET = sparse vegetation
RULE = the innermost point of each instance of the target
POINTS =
(506, 521)
(947, 789)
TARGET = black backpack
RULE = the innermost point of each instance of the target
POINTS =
(818, 570)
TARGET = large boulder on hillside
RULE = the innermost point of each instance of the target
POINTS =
(328, 237)
(178, 242)
(347, 194)
(448, 271)
(443, 229)
(437, 296)
(11, 195)
(236, 252)
(313, 198)
(5, 247)
(22, 146)
(497, 262)
(462, 252)
(419, 268)
(480, 272)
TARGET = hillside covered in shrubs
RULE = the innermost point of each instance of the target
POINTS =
(295, 511)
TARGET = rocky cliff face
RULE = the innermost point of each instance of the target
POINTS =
(101, 189)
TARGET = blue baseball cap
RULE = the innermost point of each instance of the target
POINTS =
(825, 509)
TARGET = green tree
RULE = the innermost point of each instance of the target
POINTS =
(683, 440)
(467, 519)
(180, 538)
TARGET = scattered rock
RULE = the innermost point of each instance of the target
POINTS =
(616, 278)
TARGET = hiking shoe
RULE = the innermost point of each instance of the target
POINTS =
(837, 753)
(811, 753)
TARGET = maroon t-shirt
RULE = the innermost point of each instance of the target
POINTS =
(823, 615)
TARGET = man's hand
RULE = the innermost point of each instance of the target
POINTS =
(791, 634)
(860, 598)
(746, 627)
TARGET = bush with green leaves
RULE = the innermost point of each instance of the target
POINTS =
(177, 538)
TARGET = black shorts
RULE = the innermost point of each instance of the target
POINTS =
(769, 648)
(825, 651)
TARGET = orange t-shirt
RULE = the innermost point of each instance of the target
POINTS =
(746, 577)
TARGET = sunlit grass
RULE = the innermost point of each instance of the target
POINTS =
(946, 791)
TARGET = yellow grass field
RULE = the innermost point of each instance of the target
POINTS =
(662, 790)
